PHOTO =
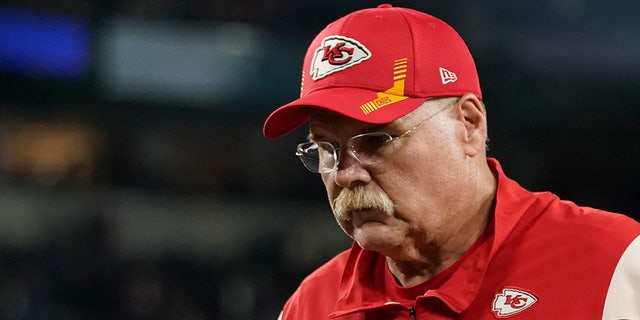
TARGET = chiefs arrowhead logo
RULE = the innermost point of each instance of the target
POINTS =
(337, 53)
(512, 301)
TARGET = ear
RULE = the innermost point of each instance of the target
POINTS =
(471, 113)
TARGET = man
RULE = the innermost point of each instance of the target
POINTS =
(397, 131)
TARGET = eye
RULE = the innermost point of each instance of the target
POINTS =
(325, 148)
(370, 143)
(375, 139)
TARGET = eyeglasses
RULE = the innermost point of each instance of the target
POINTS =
(371, 148)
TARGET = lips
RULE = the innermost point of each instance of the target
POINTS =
(363, 216)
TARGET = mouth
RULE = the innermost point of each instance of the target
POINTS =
(361, 217)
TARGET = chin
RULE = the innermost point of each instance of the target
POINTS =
(376, 241)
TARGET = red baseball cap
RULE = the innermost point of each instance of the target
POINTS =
(377, 65)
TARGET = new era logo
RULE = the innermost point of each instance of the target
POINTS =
(512, 301)
(337, 53)
(447, 76)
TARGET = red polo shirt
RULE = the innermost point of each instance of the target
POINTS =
(540, 258)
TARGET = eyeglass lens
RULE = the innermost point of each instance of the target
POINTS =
(368, 148)
(318, 157)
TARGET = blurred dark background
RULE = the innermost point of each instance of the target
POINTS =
(135, 182)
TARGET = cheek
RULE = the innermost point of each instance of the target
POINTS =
(327, 180)
(426, 175)
(330, 187)
(346, 227)
(328, 177)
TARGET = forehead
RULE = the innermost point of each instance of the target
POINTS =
(324, 123)
(328, 123)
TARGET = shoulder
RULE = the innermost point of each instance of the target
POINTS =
(591, 221)
(599, 231)
(328, 274)
(516, 205)
(317, 293)
(623, 296)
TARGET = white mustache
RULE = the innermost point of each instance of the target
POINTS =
(360, 198)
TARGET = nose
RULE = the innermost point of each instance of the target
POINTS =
(350, 173)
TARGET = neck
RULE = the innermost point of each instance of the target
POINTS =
(445, 251)
(411, 273)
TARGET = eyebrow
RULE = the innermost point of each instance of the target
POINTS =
(389, 128)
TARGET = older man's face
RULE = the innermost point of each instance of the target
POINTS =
(423, 179)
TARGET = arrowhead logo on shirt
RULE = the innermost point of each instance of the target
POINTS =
(512, 301)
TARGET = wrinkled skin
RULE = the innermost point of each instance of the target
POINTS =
(438, 180)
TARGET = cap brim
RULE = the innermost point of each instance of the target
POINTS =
(345, 101)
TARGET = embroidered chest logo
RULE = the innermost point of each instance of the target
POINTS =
(337, 53)
(512, 301)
